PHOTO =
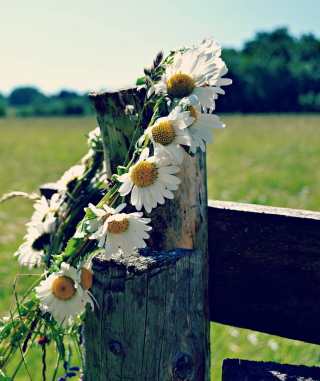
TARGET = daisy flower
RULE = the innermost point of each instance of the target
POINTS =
(150, 180)
(70, 177)
(201, 129)
(193, 76)
(60, 293)
(37, 240)
(101, 215)
(122, 233)
(169, 132)
(47, 209)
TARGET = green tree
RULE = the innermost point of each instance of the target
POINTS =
(274, 72)
(24, 96)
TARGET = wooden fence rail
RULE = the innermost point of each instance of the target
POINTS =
(264, 266)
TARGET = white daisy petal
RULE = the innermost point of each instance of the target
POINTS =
(169, 178)
(125, 187)
(201, 129)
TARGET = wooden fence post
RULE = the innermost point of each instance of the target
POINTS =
(179, 223)
(149, 324)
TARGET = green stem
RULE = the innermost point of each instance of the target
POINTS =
(56, 368)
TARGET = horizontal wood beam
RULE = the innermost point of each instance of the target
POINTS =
(264, 265)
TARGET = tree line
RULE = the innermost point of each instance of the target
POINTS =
(275, 72)
(29, 101)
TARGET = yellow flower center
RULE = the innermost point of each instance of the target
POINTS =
(106, 216)
(63, 287)
(86, 278)
(163, 133)
(194, 114)
(143, 174)
(180, 85)
(118, 227)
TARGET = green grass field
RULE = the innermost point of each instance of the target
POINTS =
(270, 160)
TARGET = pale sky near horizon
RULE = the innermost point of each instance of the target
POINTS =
(101, 44)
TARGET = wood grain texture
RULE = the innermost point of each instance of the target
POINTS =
(115, 124)
(179, 223)
(149, 324)
(240, 370)
(265, 269)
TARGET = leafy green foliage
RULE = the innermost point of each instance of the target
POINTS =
(275, 72)
(141, 81)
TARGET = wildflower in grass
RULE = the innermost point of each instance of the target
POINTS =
(101, 215)
(168, 133)
(253, 338)
(45, 209)
(234, 332)
(70, 374)
(201, 129)
(60, 294)
(37, 241)
(149, 181)
(193, 76)
(122, 233)
(273, 345)
(69, 179)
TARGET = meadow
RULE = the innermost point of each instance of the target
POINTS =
(260, 159)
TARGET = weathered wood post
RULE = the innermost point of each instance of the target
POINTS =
(153, 321)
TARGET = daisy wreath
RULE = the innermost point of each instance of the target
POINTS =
(73, 223)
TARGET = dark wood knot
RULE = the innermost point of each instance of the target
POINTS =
(182, 367)
(115, 347)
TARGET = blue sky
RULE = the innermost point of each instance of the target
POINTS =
(100, 44)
